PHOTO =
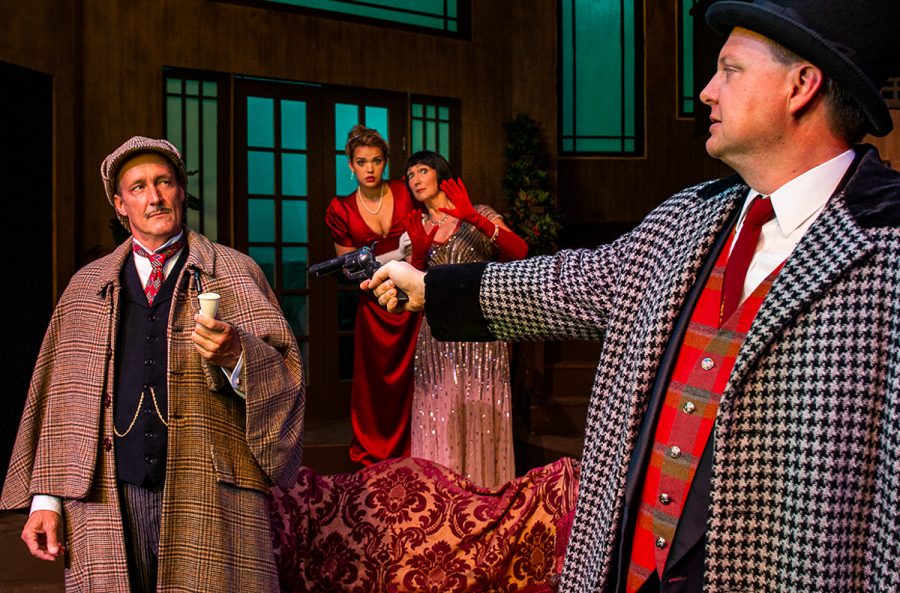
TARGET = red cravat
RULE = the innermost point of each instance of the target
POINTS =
(760, 213)
(157, 261)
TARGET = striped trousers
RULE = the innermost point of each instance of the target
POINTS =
(141, 510)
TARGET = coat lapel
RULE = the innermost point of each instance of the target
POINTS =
(834, 244)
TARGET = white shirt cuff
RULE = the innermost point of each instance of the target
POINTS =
(46, 502)
(234, 376)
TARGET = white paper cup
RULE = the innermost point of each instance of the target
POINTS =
(209, 304)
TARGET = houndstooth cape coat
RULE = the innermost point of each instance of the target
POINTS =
(806, 462)
(223, 453)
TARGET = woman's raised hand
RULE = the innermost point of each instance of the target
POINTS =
(455, 190)
(421, 241)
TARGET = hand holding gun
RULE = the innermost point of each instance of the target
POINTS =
(356, 265)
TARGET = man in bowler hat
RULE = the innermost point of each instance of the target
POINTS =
(151, 432)
(744, 428)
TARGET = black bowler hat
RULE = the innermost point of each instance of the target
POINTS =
(853, 41)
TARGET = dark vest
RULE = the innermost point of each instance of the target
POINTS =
(141, 369)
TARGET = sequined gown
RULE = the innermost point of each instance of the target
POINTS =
(461, 400)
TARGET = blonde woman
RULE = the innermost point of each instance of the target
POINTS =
(376, 212)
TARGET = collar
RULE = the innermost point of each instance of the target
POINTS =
(201, 256)
(804, 195)
(161, 247)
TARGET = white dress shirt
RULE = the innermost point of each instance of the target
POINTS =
(797, 204)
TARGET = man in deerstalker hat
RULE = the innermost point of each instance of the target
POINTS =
(151, 433)
(744, 427)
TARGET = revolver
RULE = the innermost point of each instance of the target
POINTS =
(355, 265)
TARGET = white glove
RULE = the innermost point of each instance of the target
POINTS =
(404, 249)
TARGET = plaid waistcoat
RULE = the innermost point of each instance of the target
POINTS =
(705, 361)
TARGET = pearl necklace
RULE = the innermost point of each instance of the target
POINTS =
(362, 200)
(439, 222)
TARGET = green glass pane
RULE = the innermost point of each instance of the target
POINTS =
(417, 110)
(451, 8)
(345, 358)
(347, 303)
(377, 119)
(173, 85)
(209, 172)
(430, 111)
(417, 133)
(344, 181)
(192, 87)
(567, 145)
(260, 172)
(173, 120)
(295, 311)
(443, 113)
(293, 174)
(294, 263)
(294, 221)
(265, 257)
(444, 139)
(190, 148)
(210, 88)
(452, 26)
(260, 122)
(345, 117)
(430, 135)
(598, 62)
(261, 221)
(293, 125)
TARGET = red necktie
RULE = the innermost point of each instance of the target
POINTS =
(760, 213)
(157, 261)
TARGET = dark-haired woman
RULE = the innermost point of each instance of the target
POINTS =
(376, 212)
(461, 402)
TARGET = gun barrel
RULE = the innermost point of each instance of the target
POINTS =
(327, 267)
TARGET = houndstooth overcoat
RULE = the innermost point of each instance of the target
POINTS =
(806, 461)
(223, 453)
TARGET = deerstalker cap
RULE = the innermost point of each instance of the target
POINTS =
(852, 41)
(109, 170)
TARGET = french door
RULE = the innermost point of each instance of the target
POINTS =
(289, 163)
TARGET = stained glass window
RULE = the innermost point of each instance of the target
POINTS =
(601, 100)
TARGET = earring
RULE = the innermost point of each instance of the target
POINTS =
(352, 175)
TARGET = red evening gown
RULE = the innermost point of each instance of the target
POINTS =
(384, 351)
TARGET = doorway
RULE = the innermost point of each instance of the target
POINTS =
(26, 166)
